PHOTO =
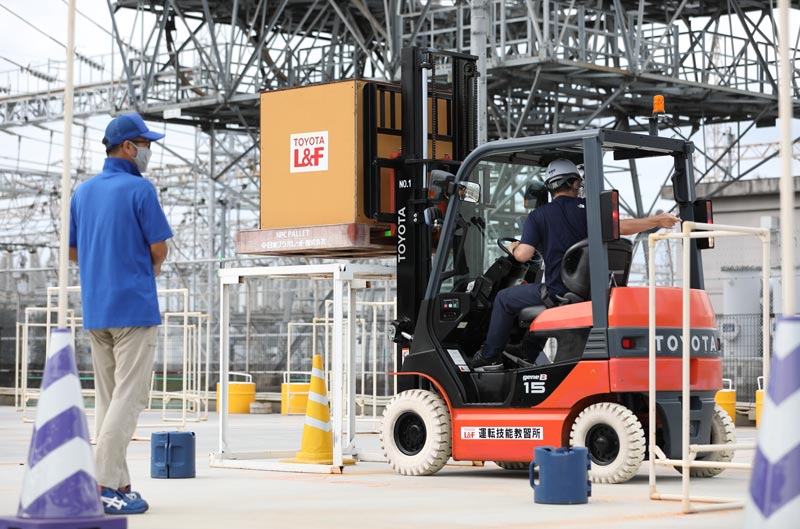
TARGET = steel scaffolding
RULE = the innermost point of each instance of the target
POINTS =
(551, 66)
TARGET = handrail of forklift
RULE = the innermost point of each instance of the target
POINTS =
(540, 150)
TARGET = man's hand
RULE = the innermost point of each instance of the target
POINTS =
(665, 220)
(524, 252)
(157, 270)
(662, 220)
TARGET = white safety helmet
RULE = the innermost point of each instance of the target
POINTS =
(558, 172)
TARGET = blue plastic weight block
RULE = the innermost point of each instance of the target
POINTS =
(563, 475)
(172, 455)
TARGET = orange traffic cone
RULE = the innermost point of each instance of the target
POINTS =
(317, 445)
(59, 490)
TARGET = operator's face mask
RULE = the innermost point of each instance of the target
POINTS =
(581, 187)
(582, 183)
(142, 158)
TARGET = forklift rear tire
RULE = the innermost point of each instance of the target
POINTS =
(415, 433)
(722, 432)
(512, 465)
(615, 439)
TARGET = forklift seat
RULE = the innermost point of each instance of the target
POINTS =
(575, 275)
(575, 267)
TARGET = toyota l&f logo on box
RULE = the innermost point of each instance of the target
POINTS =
(309, 152)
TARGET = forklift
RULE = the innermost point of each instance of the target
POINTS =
(584, 381)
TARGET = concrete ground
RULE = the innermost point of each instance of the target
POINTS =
(370, 495)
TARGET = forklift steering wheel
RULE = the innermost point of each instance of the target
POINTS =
(503, 243)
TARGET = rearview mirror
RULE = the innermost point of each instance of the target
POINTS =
(469, 192)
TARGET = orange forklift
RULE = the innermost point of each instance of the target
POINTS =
(581, 378)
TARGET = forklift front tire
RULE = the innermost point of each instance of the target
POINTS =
(415, 433)
(615, 439)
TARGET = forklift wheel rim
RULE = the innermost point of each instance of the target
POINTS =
(410, 433)
(603, 444)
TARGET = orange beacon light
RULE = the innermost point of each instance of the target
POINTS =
(658, 104)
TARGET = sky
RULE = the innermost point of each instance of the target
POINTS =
(44, 33)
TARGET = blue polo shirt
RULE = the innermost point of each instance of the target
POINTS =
(552, 229)
(114, 218)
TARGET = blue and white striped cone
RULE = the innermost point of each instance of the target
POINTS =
(774, 501)
(59, 490)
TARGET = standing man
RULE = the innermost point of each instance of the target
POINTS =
(552, 228)
(118, 235)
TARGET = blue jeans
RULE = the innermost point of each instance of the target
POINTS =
(507, 305)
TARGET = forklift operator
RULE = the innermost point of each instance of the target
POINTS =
(552, 228)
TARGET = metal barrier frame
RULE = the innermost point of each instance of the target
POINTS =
(689, 451)
(23, 394)
(191, 359)
(363, 399)
(347, 278)
(193, 391)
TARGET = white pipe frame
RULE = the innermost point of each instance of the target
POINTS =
(361, 399)
(688, 451)
(785, 97)
(191, 393)
(191, 351)
(23, 394)
(347, 278)
(66, 176)
(164, 396)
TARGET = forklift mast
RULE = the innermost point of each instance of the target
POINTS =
(419, 85)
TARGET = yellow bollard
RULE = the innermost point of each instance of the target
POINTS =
(240, 394)
(726, 398)
(759, 400)
(294, 397)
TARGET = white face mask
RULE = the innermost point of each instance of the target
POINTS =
(142, 158)
(582, 190)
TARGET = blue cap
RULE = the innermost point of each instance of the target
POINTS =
(126, 127)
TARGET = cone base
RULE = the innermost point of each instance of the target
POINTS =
(314, 459)
(96, 522)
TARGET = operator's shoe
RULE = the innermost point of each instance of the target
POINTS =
(117, 502)
(478, 362)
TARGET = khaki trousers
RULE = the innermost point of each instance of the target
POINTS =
(123, 362)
